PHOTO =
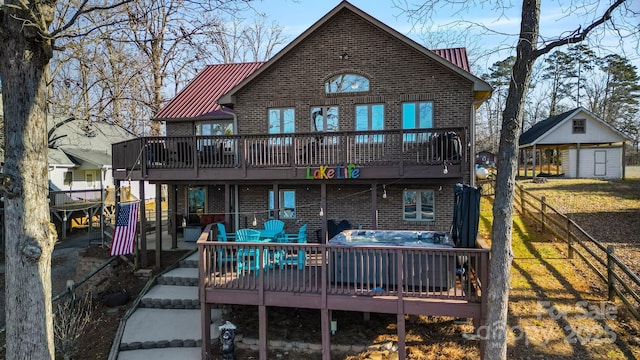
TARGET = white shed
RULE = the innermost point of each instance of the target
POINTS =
(587, 146)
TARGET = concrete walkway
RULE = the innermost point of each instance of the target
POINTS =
(166, 325)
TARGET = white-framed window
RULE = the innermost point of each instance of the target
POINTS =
(210, 145)
(418, 205)
(579, 126)
(68, 177)
(287, 202)
(417, 115)
(90, 179)
(281, 121)
(196, 200)
(222, 127)
(346, 83)
(325, 119)
(369, 117)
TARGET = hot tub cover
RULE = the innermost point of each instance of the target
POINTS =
(392, 238)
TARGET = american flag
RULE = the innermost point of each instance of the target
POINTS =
(124, 234)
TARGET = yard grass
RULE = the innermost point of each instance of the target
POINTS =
(557, 307)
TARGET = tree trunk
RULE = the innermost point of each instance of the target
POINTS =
(30, 237)
(501, 246)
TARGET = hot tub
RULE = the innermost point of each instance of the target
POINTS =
(393, 238)
(377, 268)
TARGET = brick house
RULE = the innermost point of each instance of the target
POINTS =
(352, 124)
(348, 93)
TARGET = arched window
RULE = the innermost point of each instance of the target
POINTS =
(346, 83)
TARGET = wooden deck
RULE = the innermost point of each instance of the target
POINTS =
(416, 153)
(397, 280)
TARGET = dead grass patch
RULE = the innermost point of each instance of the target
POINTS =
(557, 306)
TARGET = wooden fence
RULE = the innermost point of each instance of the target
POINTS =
(620, 280)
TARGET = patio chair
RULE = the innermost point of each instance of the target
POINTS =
(300, 258)
(248, 257)
(223, 235)
(274, 224)
(224, 255)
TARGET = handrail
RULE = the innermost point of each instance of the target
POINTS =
(378, 147)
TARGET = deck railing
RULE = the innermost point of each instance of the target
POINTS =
(386, 279)
(57, 198)
(382, 147)
(403, 271)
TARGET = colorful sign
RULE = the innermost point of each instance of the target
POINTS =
(350, 171)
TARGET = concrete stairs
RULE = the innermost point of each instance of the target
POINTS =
(166, 324)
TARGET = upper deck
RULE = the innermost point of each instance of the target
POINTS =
(382, 154)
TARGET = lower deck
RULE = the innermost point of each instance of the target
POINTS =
(400, 280)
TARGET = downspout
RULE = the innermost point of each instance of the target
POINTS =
(236, 206)
(472, 155)
(235, 119)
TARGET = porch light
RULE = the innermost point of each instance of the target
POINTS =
(321, 212)
(384, 191)
(445, 170)
(334, 327)
(255, 221)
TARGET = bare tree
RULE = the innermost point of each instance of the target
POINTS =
(153, 47)
(30, 32)
(237, 42)
(530, 46)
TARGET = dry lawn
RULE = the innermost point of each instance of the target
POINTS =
(558, 307)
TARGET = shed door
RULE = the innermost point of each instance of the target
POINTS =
(600, 163)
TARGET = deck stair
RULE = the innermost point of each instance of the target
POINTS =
(166, 324)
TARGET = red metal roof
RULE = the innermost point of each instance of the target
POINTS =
(456, 56)
(200, 96)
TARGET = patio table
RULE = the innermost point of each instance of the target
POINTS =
(273, 235)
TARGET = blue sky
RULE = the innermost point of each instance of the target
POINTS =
(484, 47)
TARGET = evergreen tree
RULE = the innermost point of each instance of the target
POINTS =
(622, 91)
(498, 76)
(559, 70)
(584, 61)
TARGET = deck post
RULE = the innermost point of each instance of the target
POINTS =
(325, 321)
(262, 332)
(262, 309)
(402, 350)
(484, 305)
(325, 318)
(158, 224)
(173, 214)
(374, 206)
(323, 205)
(206, 328)
(143, 226)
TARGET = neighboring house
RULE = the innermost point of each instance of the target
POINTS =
(80, 169)
(80, 155)
(587, 146)
(351, 121)
(486, 158)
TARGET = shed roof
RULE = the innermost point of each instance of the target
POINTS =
(545, 127)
